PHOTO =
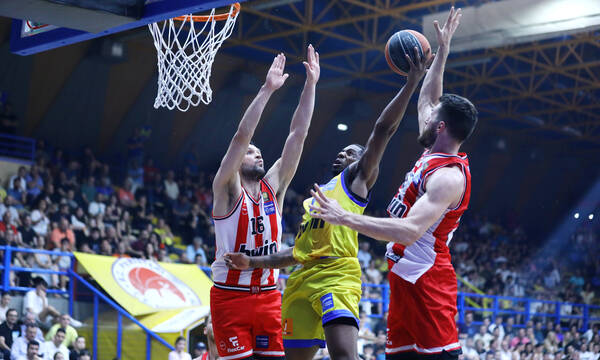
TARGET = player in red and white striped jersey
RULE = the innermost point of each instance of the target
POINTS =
(245, 306)
(424, 215)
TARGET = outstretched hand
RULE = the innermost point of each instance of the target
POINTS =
(237, 261)
(328, 209)
(313, 69)
(275, 77)
(418, 68)
(445, 33)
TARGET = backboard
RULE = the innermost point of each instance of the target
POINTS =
(70, 24)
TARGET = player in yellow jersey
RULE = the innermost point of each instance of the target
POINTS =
(320, 302)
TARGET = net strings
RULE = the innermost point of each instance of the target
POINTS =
(185, 62)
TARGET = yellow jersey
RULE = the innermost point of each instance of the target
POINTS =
(318, 239)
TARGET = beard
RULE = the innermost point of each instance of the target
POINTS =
(254, 172)
(428, 137)
(336, 169)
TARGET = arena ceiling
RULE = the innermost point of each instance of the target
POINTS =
(548, 88)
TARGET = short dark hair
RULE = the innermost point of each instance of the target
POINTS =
(179, 339)
(459, 114)
(362, 148)
(33, 342)
(62, 330)
(39, 281)
(11, 309)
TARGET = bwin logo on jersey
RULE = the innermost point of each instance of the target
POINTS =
(266, 249)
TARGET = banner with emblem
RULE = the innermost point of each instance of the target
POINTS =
(143, 286)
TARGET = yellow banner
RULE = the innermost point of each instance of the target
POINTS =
(144, 286)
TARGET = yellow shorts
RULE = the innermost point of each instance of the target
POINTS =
(322, 290)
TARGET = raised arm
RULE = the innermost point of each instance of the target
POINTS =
(226, 185)
(241, 261)
(433, 84)
(444, 189)
(281, 173)
(362, 174)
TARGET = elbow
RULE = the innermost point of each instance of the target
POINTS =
(384, 129)
(409, 235)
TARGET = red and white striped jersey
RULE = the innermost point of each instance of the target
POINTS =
(252, 227)
(413, 261)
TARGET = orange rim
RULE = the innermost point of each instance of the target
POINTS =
(217, 17)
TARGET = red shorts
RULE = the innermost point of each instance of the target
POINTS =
(422, 315)
(246, 324)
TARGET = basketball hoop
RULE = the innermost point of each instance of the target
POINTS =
(185, 62)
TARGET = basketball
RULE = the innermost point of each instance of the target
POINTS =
(402, 43)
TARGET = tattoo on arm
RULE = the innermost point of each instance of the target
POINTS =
(274, 261)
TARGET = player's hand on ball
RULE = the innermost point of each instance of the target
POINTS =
(275, 77)
(444, 33)
(237, 261)
(313, 69)
(418, 68)
(329, 209)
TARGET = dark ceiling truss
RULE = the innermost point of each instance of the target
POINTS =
(547, 85)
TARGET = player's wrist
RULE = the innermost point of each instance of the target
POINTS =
(443, 49)
(267, 88)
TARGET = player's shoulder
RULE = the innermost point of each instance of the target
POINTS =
(447, 179)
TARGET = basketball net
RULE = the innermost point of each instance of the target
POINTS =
(185, 61)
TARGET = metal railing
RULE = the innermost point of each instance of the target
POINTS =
(7, 267)
(17, 147)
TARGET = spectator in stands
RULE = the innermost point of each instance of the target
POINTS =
(61, 232)
(373, 274)
(8, 205)
(171, 187)
(538, 332)
(497, 325)
(126, 197)
(55, 345)
(34, 349)
(27, 232)
(35, 184)
(97, 207)
(17, 185)
(520, 339)
(20, 347)
(179, 353)
(196, 249)
(64, 322)
(484, 336)
(6, 225)
(88, 190)
(587, 294)
(467, 327)
(364, 257)
(85, 355)
(78, 349)
(79, 224)
(9, 330)
(36, 302)
(4, 305)
(509, 329)
(39, 219)
(200, 350)
(106, 248)
(44, 261)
